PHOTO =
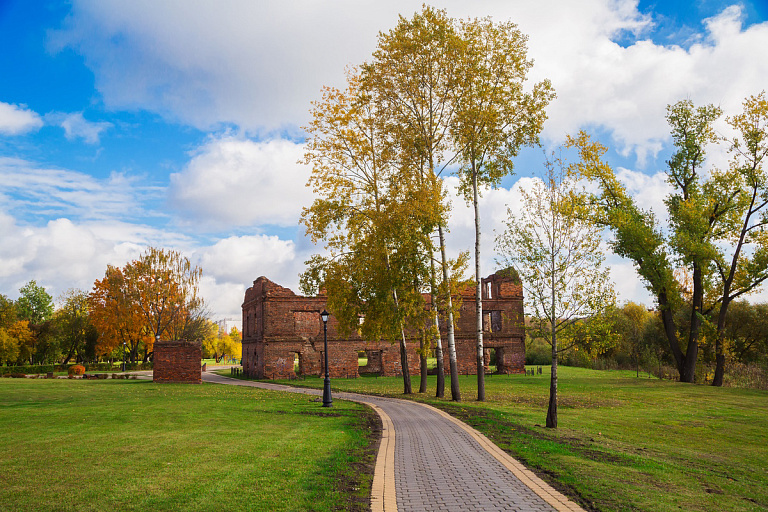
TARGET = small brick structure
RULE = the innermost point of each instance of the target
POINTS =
(280, 328)
(178, 361)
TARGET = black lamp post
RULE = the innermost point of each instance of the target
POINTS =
(327, 400)
(123, 356)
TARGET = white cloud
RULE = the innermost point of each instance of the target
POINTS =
(32, 190)
(59, 255)
(76, 126)
(649, 192)
(235, 181)
(242, 259)
(17, 119)
(626, 90)
(65, 254)
(259, 64)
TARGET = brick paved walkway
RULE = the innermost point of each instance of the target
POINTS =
(438, 463)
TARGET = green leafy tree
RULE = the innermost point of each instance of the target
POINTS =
(34, 304)
(630, 322)
(8, 313)
(559, 259)
(744, 267)
(711, 220)
(78, 335)
(746, 332)
(493, 118)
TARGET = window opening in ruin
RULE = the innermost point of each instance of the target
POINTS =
(491, 360)
(296, 363)
(491, 321)
(488, 291)
(369, 362)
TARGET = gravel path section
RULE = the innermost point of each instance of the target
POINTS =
(430, 461)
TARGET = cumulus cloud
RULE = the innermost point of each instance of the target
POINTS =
(259, 65)
(237, 181)
(241, 259)
(231, 264)
(60, 254)
(649, 191)
(77, 127)
(626, 89)
(18, 119)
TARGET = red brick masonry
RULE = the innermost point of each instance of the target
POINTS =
(280, 326)
(177, 361)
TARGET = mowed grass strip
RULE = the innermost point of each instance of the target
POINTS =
(623, 443)
(135, 445)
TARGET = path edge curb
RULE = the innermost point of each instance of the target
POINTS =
(383, 497)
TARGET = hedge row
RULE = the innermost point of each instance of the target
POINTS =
(89, 367)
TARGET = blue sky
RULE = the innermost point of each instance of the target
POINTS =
(177, 124)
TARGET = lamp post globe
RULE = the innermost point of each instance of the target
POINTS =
(327, 400)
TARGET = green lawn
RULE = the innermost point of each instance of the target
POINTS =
(623, 443)
(134, 445)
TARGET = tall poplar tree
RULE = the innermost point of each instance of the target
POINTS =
(372, 218)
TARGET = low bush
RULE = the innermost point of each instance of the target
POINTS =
(538, 352)
(77, 369)
(31, 369)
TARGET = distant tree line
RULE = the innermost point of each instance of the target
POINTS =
(153, 297)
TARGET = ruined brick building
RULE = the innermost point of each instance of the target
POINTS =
(280, 328)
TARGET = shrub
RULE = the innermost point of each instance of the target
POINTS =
(30, 369)
(18, 375)
(77, 369)
(538, 352)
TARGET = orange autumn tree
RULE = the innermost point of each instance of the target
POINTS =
(163, 285)
(116, 317)
(155, 296)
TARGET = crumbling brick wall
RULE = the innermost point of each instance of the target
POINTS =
(280, 327)
(177, 361)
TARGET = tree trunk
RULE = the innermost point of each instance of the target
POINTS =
(478, 295)
(552, 408)
(692, 353)
(440, 392)
(424, 370)
(667, 320)
(404, 363)
(455, 393)
(719, 350)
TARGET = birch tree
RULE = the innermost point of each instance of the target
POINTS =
(560, 262)
(415, 71)
(373, 222)
(494, 118)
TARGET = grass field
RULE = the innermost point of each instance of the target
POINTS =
(134, 445)
(623, 443)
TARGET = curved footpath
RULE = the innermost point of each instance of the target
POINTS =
(429, 460)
